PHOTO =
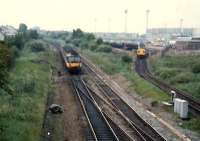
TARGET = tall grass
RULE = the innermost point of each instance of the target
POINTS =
(21, 114)
(180, 71)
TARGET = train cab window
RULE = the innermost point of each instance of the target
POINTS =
(73, 59)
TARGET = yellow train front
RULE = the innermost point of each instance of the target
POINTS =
(73, 62)
(141, 53)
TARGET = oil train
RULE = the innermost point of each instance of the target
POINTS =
(141, 51)
(72, 60)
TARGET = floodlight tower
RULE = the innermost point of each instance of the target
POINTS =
(125, 22)
(95, 25)
(147, 19)
(181, 26)
(109, 20)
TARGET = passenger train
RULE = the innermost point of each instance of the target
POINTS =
(72, 60)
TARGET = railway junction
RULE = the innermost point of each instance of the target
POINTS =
(98, 109)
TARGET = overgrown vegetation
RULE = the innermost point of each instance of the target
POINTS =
(10, 50)
(193, 124)
(21, 114)
(5, 62)
(88, 41)
(37, 45)
(25, 70)
(182, 71)
(126, 58)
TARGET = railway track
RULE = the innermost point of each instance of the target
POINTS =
(129, 131)
(100, 129)
(143, 127)
(143, 71)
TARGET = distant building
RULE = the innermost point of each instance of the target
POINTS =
(117, 37)
(7, 31)
(196, 32)
(1, 37)
(188, 44)
(171, 31)
(37, 28)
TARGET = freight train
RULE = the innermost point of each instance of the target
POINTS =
(72, 60)
(126, 46)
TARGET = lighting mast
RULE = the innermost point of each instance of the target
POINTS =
(147, 19)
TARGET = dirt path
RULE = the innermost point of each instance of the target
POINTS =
(70, 125)
(72, 120)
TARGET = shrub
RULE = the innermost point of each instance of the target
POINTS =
(83, 43)
(196, 68)
(26, 84)
(166, 72)
(99, 41)
(104, 48)
(90, 36)
(126, 59)
(92, 45)
(183, 77)
(15, 51)
(37, 46)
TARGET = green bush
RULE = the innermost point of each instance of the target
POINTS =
(25, 85)
(196, 68)
(15, 51)
(92, 45)
(166, 73)
(126, 59)
(83, 43)
(37, 46)
(99, 41)
(104, 48)
(183, 77)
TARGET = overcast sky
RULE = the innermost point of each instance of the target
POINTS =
(69, 14)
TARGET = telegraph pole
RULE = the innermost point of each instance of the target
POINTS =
(125, 22)
(109, 20)
(147, 19)
(95, 25)
(181, 26)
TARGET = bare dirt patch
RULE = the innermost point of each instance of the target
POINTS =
(72, 120)
(69, 125)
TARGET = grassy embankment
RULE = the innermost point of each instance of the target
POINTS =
(183, 72)
(21, 114)
(113, 64)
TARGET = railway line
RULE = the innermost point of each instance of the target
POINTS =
(142, 69)
(100, 129)
(129, 132)
(146, 131)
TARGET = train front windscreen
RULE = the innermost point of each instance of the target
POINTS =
(73, 59)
